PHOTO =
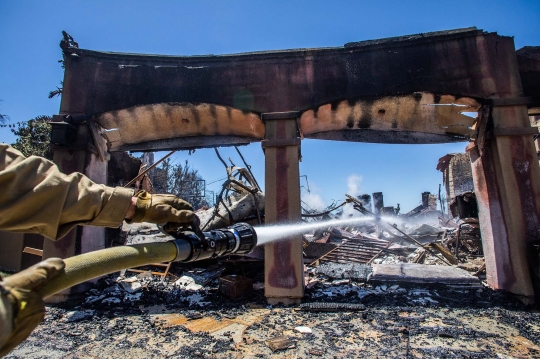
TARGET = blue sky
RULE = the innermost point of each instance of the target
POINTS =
(30, 32)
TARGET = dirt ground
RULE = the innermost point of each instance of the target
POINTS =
(165, 321)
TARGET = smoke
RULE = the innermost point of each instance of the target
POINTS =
(353, 184)
(313, 201)
(353, 188)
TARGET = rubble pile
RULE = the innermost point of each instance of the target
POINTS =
(452, 242)
(344, 314)
(393, 285)
(382, 235)
(368, 293)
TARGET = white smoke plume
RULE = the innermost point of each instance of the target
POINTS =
(353, 184)
(313, 201)
(353, 188)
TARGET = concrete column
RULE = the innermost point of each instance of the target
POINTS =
(507, 185)
(283, 266)
(84, 157)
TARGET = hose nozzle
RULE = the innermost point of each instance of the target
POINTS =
(239, 239)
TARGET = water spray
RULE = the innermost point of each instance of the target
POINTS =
(268, 234)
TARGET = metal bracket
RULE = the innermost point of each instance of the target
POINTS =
(289, 115)
(280, 116)
(71, 132)
(63, 133)
(512, 131)
(281, 142)
(510, 101)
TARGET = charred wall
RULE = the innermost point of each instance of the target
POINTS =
(458, 176)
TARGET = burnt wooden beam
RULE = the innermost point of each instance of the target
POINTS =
(272, 81)
(388, 91)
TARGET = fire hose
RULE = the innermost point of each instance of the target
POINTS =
(187, 246)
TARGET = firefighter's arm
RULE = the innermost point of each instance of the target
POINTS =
(36, 197)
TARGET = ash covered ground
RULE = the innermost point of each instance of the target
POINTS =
(147, 317)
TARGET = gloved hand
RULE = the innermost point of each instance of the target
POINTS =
(161, 208)
(21, 308)
(196, 226)
(174, 228)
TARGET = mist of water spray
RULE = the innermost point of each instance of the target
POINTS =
(269, 234)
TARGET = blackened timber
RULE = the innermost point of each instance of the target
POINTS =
(336, 73)
(347, 93)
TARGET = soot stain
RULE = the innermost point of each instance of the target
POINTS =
(213, 113)
(417, 96)
(169, 111)
(315, 112)
(213, 110)
(350, 121)
(436, 98)
(365, 121)
(131, 112)
(196, 116)
(155, 119)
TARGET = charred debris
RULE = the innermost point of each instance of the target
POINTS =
(366, 296)
(398, 285)
(385, 236)
(384, 243)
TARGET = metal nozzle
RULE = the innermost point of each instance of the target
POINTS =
(239, 239)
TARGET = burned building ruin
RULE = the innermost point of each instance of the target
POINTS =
(409, 89)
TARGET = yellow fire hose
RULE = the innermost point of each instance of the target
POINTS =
(184, 246)
(96, 264)
(239, 239)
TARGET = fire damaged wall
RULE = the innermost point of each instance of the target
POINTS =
(122, 168)
(458, 181)
(457, 177)
(409, 89)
